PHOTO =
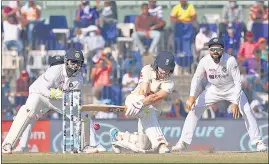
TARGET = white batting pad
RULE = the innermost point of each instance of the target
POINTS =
(152, 128)
(18, 126)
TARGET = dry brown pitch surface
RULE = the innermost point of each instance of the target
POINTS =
(184, 157)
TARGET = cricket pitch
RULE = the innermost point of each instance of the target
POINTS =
(109, 157)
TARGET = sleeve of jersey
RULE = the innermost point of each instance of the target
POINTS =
(168, 86)
(49, 77)
(197, 77)
(237, 80)
(145, 75)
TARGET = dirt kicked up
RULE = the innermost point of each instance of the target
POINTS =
(183, 157)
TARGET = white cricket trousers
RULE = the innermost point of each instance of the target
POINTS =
(207, 98)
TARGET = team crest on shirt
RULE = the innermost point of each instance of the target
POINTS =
(71, 85)
(77, 54)
(224, 69)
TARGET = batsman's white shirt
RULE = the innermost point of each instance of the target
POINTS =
(223, 77)
(56, 77)
(148, 122)
(148, 75)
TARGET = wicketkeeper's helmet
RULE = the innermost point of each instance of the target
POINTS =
(73, 61)
(75, 55)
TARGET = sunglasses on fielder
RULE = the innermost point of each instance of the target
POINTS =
(215, 49)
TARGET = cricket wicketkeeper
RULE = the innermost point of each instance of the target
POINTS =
(46, 94)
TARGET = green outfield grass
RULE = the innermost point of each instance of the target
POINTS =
(185, 157)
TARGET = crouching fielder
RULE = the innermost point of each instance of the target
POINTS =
(223, 84)
(154, 85)
(46, 94)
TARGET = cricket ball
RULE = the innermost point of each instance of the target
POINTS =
(96, 126)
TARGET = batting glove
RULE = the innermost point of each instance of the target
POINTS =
(134, 108)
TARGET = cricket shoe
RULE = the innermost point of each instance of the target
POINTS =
(100, 148)
(180, 146)
(20, 149)
(90, 150)
(163, 149)
(261, 147)
(116, 148)
(6, 149)
(113, 133)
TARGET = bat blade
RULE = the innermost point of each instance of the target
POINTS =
(103, 108)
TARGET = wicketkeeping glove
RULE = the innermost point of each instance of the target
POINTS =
(55, 93)
(134, 108)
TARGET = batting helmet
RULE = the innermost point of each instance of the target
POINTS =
(165, 60)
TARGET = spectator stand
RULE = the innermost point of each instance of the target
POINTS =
(238, 30)
(212, 20)
(112, 93)
(260, 29)
(44, 38)
(88, 31)
(11, 63)
(125, 30)
(58, 24)
(6, 105)
(109, 33)
(133, 61)
(183, 38)
(124, 39)
(131, 19)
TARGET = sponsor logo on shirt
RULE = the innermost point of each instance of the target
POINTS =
(217, 76)
(212, 70)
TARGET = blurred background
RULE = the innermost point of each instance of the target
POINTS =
(116, 48)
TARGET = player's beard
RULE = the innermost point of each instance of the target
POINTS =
(71, 70)
(216, 57)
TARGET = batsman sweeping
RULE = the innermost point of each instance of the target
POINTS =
(224, 83)
(46, 94)
(154, 85)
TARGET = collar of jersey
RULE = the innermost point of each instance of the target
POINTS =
(222, 58)
(64, 71)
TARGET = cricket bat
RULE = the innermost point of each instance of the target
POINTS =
(103, 108)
